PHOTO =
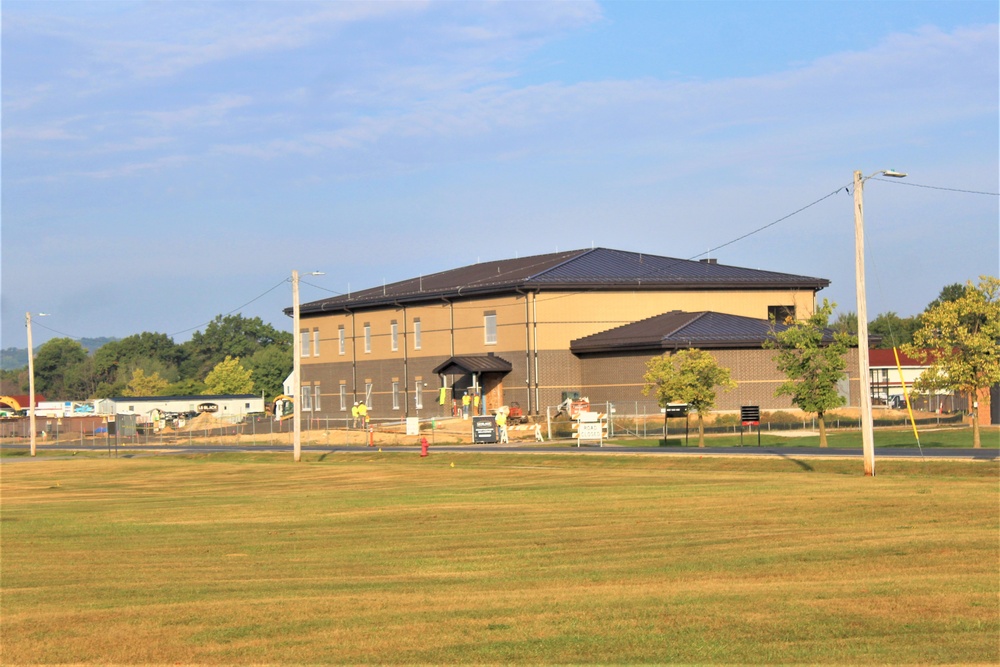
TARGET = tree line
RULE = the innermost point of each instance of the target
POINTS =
(234, 355)
(891, 329)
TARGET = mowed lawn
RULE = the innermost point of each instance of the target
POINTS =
(507, 558)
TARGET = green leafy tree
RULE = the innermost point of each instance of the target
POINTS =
(846, 323)
(142, 384)
(110, 389)
(54, 359)
(270, 366)
(13, 381)
(952, 292)
(230, 335)
(229, 377)
(960, 340)
(188, 387)
(689, 376)
(115, 362)
(814, 360)
(893, 329)
(80, 380)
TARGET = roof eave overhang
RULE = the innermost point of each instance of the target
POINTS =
(659, 347)
(512, 288)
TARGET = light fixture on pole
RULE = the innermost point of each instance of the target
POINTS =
(867, 427)
(297, 368)
(31, 380)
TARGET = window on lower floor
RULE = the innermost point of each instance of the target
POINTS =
(418, 395)
(343, 398)
(395, 396)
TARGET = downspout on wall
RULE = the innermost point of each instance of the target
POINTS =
(534, 326)
(527, 348)
(406, 371)
(354, 357)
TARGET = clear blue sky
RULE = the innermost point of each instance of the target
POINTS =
(166, 162)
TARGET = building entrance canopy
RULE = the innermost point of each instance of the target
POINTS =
(474, 364)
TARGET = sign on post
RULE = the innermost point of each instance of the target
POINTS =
(484, 429)
(750, 416)
(590, 426)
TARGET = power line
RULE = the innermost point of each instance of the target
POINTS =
(937, 187)
(238, 308)
(36, 323)
(770, 224)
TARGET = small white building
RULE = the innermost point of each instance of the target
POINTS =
(229, 406)
(887, 384)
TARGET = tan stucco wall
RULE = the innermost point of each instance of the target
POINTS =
(457, 328)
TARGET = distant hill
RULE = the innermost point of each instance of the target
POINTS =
(13, 358)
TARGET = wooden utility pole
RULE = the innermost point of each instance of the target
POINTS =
(867, 428)
(31, 384)
(296, 372)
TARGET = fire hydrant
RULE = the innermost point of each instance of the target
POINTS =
(423, 446)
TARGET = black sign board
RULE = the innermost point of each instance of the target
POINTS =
(750, 415)
(677, 410)
(484, 429)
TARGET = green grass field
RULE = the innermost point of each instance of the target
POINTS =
(508, 558)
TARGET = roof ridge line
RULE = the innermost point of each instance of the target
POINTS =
(697, 316)
(577, 254)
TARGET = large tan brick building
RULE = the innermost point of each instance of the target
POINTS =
(517, 330)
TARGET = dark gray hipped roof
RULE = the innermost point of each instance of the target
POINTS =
(485, 363)
(678, 329)
(593, 269)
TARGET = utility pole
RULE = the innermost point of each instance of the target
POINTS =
(296, 373)
(31, 383)
(297, 368)
(867, 426)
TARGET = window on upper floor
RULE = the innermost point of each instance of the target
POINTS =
(490, 327)
(368, 338)
(416, 333)
(394, 335)
(781, 314)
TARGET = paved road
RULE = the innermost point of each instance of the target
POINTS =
(565, 448)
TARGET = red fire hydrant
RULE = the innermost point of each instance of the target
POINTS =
(423, 446)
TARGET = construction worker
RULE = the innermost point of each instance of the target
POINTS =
(466, 402)
(502, 425)
(363, 414)
(354, 414)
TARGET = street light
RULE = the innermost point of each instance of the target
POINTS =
(297, 368)
(867, 427)
(31, 380)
